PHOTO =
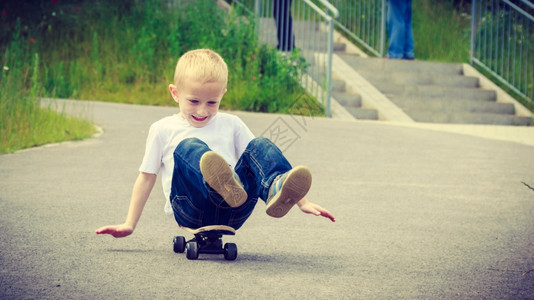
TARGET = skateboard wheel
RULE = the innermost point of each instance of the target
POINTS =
(192, 250)
(230, 251)
(179, 244)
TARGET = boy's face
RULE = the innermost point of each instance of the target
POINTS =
(199, 102)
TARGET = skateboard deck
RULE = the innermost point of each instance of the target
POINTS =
(223, 229)
(207, 240)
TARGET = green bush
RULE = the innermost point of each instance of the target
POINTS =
(23, 123)
(126, 51)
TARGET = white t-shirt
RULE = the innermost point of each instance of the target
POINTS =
(225, 134)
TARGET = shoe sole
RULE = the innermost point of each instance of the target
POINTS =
(220, 177)
(294, 188)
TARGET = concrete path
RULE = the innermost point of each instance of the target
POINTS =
(422, 214)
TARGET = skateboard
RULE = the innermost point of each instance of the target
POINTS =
(207, 240)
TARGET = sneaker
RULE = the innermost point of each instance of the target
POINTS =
(286, 190)
(220, 177)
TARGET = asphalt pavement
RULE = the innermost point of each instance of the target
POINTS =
(422, 213)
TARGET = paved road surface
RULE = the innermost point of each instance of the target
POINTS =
(421, 214)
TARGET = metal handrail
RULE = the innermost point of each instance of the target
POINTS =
(330, 47)
(327, 5)
(364, 22)
(502, 37)
(313, 37)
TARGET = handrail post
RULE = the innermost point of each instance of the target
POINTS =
(257, 16)
(383, 28)
(329, 71)
(473, 25)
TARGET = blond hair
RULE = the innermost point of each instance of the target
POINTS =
(204, 65)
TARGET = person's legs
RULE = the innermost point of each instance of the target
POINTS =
(408, 52)
(194, 203)
(258, 166)
(267, 174)
(284, 24)
(264, 172)
(261, 162)
(396, 28)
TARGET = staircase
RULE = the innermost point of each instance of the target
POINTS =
(427, 92)
(401, 90)
(352, 102)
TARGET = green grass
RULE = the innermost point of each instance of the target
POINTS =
(127, 54)
(441, 33)
(126, 51)
(23, 123)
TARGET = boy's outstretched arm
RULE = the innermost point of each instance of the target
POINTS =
(141, 190)
(314, 209)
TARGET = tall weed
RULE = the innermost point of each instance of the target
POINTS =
(441, 32)
(23, 123)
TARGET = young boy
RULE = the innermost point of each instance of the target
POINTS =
(213, 169)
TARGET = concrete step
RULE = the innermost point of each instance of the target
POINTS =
(353, 104)
(397, 65)
(339, 47)
(420, 78)
(469, 118)
(363, 113)
(453, 105)
(338, 86)
(348, 100)
(434, 91)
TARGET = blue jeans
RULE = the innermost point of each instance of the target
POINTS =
(400, 29)
(195, 204)
(284, 25)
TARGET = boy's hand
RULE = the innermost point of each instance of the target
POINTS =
(117, 231)
(315, 209)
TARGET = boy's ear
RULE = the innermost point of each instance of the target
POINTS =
(174, 92)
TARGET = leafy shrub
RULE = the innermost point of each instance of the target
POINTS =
(126, 51)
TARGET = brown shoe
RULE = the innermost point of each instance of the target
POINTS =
(220, 177)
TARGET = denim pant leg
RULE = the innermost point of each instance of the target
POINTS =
(408, 43)
(261, 162)
(194, 203)
(284, 24)
(399, 20)
(257, 167)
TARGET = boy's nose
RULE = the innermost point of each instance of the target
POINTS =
(202, 110)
